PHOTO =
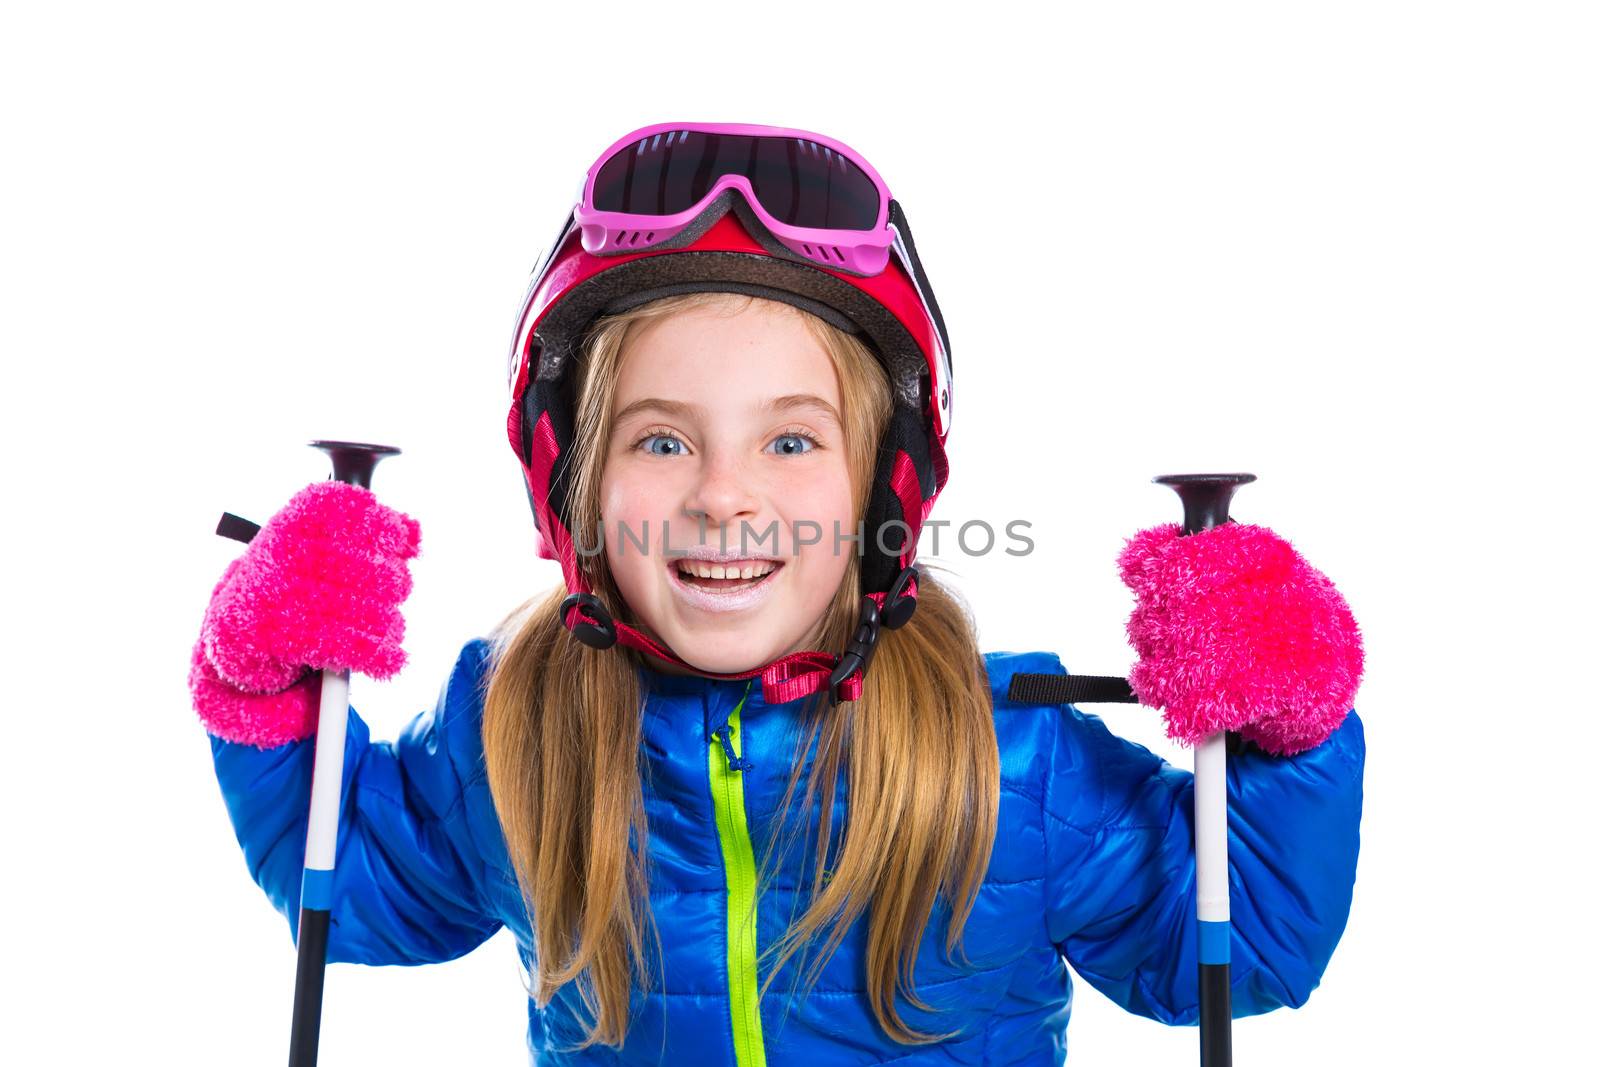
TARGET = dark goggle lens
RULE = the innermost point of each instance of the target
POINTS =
(798, 182)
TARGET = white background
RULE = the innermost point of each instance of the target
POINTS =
(1350, 247)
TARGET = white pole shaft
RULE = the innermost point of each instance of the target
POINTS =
(327, 773)
(1211, 828)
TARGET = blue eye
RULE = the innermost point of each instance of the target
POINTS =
(662, 444)
(793, 444)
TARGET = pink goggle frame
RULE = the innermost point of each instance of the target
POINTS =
(858, 251)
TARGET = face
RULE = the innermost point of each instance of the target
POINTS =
(727, 438)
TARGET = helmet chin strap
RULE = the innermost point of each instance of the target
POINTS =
(789, 678)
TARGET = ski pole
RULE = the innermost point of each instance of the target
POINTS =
(352, 463)
(1205, 504)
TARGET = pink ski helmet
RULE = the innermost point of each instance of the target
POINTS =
(777, 213)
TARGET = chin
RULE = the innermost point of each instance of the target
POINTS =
(729, 656)
(719, 642)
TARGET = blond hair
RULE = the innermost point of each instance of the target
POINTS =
(562, 731)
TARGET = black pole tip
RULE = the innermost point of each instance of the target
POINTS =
(353, 461)
(1205, 497)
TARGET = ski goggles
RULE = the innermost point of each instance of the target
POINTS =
(816, 196)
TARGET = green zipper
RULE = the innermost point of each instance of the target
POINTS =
(738, 858)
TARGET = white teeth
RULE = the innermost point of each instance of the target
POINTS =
(753, 569)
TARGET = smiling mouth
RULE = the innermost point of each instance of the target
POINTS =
(733, 576)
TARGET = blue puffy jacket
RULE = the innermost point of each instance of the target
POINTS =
(1093, 865)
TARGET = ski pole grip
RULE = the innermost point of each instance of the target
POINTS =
(1205, 497)
(353, 462)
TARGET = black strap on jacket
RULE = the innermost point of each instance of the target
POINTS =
(1028, 688)
(1070, 689)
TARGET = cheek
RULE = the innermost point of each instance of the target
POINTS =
(629, 503)
(631, 495)
(821, 495)
(827, 502)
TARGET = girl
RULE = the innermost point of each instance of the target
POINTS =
(744, 788)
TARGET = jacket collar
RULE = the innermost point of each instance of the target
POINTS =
(653, 681)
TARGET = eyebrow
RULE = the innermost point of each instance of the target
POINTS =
(803, 400)
(652, 403)
(682, 409)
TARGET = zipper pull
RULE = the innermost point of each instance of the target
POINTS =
(735, 763)
(723, 732)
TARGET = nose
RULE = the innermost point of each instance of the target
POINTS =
(722, 494)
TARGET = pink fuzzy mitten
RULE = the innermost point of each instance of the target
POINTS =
(1236, 631)
(319, 588)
